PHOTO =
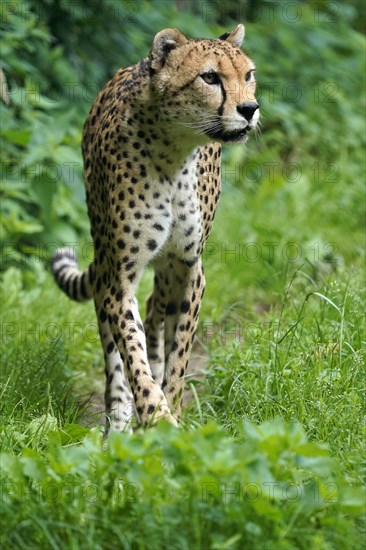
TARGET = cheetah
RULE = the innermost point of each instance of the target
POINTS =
(151, 148)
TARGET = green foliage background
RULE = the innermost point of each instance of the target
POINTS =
(285, 263)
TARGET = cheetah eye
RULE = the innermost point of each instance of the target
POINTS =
(248, 76)
(210, 77)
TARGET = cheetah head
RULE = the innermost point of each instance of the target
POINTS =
(204, 88)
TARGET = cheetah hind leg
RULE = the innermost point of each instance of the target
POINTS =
(119, 402)
(154, 328)
(188, 290)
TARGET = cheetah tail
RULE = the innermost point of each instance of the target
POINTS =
(78, 285)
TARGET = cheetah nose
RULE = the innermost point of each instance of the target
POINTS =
(247, 110)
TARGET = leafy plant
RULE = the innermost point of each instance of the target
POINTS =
(200, 489)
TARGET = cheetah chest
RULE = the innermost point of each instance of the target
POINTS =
(185, 220)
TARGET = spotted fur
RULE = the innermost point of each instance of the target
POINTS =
(151, 149)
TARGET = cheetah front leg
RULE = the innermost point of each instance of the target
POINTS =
(119, 402)
(128, 334)
(180, 327)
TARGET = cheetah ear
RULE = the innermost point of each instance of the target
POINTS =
(235, 37)
(164, 42)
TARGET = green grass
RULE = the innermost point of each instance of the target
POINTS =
(305, 363)
(269, 456)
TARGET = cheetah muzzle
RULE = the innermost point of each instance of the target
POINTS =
(151, 150)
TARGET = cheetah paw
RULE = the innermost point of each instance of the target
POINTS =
(155, 414)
